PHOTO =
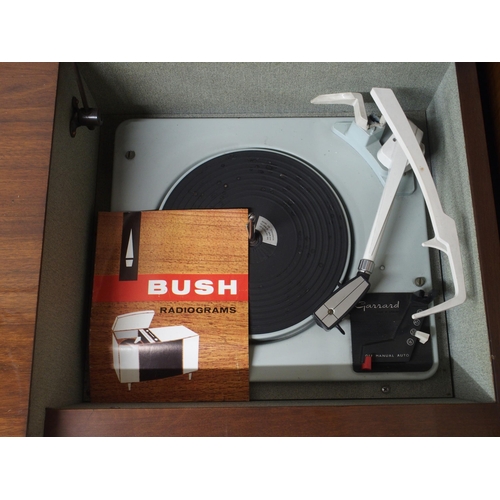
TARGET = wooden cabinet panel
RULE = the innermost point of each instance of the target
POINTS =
(390, 420)
(27, 100)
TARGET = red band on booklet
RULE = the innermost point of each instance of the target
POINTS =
(172, 287)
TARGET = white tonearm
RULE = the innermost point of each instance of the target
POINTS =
(402, 148)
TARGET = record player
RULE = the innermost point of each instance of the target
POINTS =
(312, 187)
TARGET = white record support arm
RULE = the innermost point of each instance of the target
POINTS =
(445, 232)
(350, 98)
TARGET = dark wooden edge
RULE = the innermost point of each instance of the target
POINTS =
(489, 83)
(483, 202)
(390, 420)
(453, 419)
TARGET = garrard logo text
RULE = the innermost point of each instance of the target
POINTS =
(364, 306)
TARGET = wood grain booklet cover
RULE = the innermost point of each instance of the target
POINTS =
(169, 317)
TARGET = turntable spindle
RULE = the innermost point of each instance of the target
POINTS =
(252, 232)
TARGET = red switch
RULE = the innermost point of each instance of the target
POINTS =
(367, 363)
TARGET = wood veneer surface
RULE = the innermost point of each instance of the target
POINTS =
(388, 420)
(27, 100)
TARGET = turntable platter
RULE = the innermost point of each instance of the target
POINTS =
(304, 242)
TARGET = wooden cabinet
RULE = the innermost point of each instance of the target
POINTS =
(27, 100)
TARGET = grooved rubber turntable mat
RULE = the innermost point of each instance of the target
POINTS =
(302, 251)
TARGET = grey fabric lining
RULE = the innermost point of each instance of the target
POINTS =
(253, 89)
(467, 328)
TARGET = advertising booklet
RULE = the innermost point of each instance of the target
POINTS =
(169, 319)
